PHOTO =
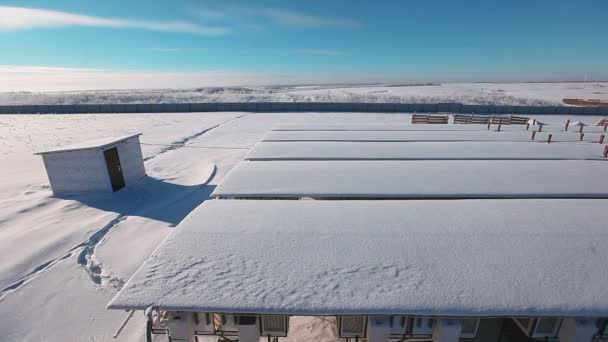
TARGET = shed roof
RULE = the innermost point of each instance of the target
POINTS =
(92, 144)
(417, 179)
(463, 258)
(330, 150)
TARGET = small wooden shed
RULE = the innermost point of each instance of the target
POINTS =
(106, 164)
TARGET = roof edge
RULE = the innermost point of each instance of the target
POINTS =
(90, 147)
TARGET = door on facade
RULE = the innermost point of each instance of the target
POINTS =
(114, 169)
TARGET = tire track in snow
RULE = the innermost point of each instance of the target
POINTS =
(182, 142)
(86, 250)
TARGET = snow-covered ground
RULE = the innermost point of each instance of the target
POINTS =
(63, 259)
(466, 93)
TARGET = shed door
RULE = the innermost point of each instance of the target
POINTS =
(114, 169)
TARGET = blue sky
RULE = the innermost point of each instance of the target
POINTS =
(313, 40)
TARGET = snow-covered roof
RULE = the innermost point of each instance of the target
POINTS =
(514, 228)
(442, 257)
(434, 135)
(417, 179)
(330, 150)
(92, 144)
(392, 126)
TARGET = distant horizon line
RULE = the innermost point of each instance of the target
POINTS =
(362, 84)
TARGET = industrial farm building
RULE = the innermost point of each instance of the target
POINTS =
(415, 232)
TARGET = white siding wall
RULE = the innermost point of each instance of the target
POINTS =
(131, 160)
(77, 171)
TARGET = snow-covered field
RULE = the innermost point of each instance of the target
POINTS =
(467, 93)
(63, 259)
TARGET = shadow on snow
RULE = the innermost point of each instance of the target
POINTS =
(151, 198)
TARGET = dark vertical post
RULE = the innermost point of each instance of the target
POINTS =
(580, 136)
(602, 138)
(549, 136)
(606, 151)
(527, 126)
(533, 135)
(580, 130)
(540, 128)
(567, 124)
(499, 125)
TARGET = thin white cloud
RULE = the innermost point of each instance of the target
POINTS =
(277, 16)
(322, 52)
(298, 19)
(212, 14)
(177, 49)
(40, 69)
(22, 18)
(44, 78)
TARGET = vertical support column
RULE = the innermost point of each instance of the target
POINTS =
(533, 135)
(249, 329)
(181, 326)
(577, 330)
(549, 138)
(378, 328)
(567, 124)
(446, 330)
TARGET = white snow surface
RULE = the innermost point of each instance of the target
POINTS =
(425, 135)
(489, 257)
(64, 258)
(498, 150)
(91, 144)
(417, 179)
(395, 127)
(466, 93)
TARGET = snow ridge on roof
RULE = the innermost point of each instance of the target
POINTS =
(499, 150)
(416, 179)
(92, 144)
